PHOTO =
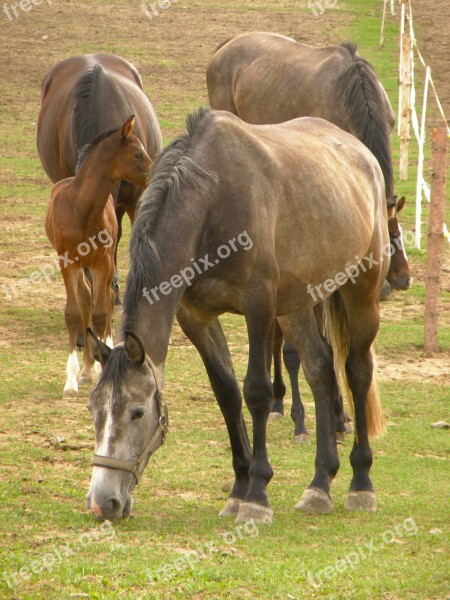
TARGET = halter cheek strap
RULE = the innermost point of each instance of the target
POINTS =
(137, 466)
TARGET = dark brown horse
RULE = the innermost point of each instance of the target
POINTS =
(82, 227)
(256, 222)
(83, 96)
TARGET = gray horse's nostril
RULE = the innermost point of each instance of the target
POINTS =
(115, 505)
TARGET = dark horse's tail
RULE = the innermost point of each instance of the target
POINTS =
(368, 120)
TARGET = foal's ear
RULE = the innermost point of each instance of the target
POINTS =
(401, 204)
(99, 351)
(127, 127)
(134, 349)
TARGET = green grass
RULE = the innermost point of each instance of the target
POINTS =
(46, 443)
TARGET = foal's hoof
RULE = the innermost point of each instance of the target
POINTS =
(340, 437)
(67, 394)
(228, 486)
(361, 501)
(275, 416)
(315, 501)
(303, 438)
(250, 511)
(231, 508)
(84, 378)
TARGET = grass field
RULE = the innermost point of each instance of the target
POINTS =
(175, 545)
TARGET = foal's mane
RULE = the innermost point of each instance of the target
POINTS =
(171, 168)
(88, 148)
(365, 106)
(85, 107)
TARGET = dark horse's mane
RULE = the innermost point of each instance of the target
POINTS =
(171, 168)
(85, 108)
(87, 148)
(364, 102)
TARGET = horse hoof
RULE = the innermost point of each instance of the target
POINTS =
(340, 437)
(349, 427)
(231, 508)
(303, 438)
(366, 501)
(228, 486)
(84, 378)
(315, 501)
(275, 416)
(67, 394)
(250, 511)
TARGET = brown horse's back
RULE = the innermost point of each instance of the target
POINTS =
(121, 95)
(269, 78)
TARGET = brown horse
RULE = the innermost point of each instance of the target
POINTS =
(83, 96)
(82, 227)
(257, 221)
(270, 78)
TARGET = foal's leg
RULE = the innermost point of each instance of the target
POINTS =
(207, 336)
(72, 317)
(279, 389)
(292, 364)
(84, 300)
(103, 305)
(317, 362)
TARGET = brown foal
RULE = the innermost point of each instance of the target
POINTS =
(81, 225)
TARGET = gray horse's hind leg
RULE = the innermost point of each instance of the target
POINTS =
(208, 337)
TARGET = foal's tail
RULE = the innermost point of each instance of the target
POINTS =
(336, 329)
(367, 117)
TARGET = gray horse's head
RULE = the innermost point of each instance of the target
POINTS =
(130, 421)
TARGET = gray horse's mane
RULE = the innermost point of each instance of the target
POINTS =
(171, 168)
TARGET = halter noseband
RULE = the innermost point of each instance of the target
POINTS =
(137, 466)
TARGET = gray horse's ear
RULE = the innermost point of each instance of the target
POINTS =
(134, 349)
(99, 351)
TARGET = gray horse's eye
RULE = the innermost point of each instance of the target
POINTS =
(137, 413)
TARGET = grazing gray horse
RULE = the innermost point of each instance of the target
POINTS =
(248, 219)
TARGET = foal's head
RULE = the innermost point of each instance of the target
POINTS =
(130, 420)
(129, 160)
(399, 274)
